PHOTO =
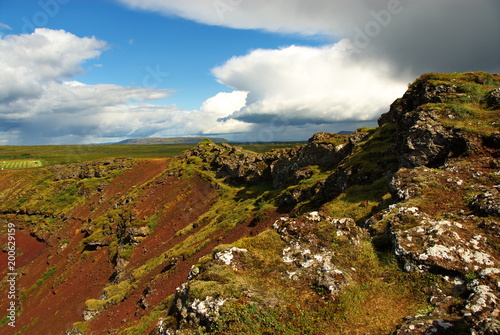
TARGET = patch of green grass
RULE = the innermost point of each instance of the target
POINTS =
(372, 158)
(82, 327)
(462, 80)
(114, 294)
(18, 164)
(359, 201)
(144, 324)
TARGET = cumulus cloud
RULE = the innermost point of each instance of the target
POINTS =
(310, 85)
(39, 105)
(29, 61)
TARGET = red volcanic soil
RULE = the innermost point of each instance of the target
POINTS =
(52, 305)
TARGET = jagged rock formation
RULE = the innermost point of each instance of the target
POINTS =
(89, 170)
(281, 167)
(426, 132)
(392, 230)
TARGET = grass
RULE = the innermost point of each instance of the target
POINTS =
(114, 294)
(470, 117)
(64, 154)
(140, 327)
(466, 79)
(379, 295)
(359, 201)
(466, 109)
(18, 164)
(372, 158)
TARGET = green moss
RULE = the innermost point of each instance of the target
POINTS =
(82, 327)
(114, 294)
(360, 201)
(95, 304)
(372, 158)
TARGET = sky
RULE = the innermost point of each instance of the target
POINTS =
(101, 71)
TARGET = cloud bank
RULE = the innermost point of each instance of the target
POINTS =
(458, 35)
(377, 48)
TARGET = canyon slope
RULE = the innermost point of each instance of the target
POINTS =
(390, 230)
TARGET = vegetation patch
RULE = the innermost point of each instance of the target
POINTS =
(20, 164)
(376, 299)
(360, 201)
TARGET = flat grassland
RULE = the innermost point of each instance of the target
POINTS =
(22, 157)
(20, 164)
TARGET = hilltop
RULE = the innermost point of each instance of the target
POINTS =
(390, 230)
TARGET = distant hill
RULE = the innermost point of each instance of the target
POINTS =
(172, 140)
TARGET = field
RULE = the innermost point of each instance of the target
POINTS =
(20, 164)
(18, 157)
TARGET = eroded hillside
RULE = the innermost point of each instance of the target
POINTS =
(389, 230)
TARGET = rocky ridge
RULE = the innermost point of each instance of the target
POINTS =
(443, 175)
(391, 230)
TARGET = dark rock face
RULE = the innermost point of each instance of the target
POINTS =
(487, 203)
(421, 139)
(97, 169)
(492, 141)
(280, 167)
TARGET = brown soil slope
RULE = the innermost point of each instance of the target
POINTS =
(60, 271)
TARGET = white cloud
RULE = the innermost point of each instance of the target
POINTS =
(38, 104)
(289, 16)
(207, 121)
(28, 62)
(310, 85)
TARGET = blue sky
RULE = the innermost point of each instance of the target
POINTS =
(89, 71)
(147, 48)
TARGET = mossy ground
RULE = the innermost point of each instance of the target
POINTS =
(263, 301)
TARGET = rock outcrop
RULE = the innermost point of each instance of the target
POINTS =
(281, 167)
(96, 169)
(437, 148)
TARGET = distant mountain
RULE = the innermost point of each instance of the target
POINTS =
(172, 140)
(346, 132)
